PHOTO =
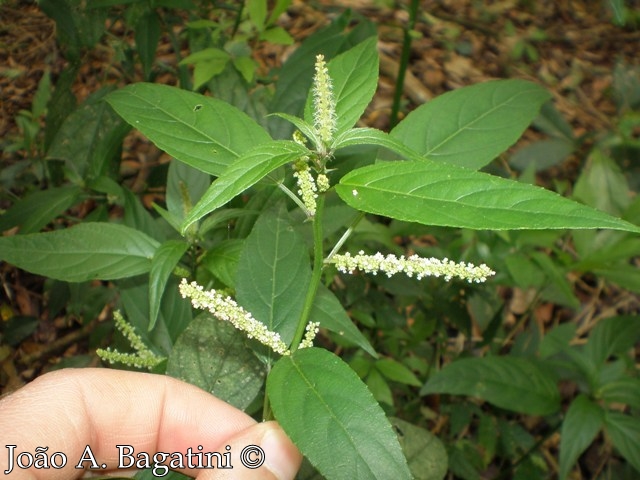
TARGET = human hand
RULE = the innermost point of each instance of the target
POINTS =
(70, 410)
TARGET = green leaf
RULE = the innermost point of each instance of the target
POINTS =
(185, 186)
(164, 261)
(329, 312)
(212, 355)
(613, 336)
(222, 260)
(581, 424)
(87, 251)
(89, 140)
(624, 431)
(445, 195)
(37, 209)
(332, 417)
(355, 77)
(397, 372)
(372, 136)
(273, 274)
(248, 170)
(625, 391)
(257, 12)
(277, 35)
(512, 383)
(203, 132)
(147, 38)
(470, 126)
(424, 452)
(602, 185)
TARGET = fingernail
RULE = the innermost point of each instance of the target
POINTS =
(278, 452)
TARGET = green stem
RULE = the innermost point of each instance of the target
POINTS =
(345, 236)
(316, 275)
(404, 62)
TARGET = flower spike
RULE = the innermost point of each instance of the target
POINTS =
(413, 265)
(324, 106)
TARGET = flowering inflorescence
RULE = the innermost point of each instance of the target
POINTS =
(311, 330)
(324, 106)
(225, 308)
(143, 358)
(307, 188)
(412, 266)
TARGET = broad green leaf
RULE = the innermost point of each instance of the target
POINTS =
(89, 140)
(512, 383)
(203, 132)
(355, 77)
(624, 431)
(445, 195)
(273, 274)
(86, 251)
(424, 452)
(333, 419)
(581, 424)
(248, 170)
(329, 312)
(257, 12)
(613, 336)
(37, 209)
(213, 355)
(164, 261)
(470, 126)
(625, 391)
(147, 38)
(397, 372)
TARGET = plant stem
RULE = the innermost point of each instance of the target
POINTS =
(345, 236)
(316, 275)
(404, 62)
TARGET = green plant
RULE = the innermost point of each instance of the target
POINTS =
(429, 178)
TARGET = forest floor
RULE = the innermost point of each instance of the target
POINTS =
(571, 47)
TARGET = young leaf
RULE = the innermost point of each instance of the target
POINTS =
(273, 274)
(445, 195)
(164, 261)
(332, 417)
(581, 424)
(512, 383)
(624, 431)
(470, 126)
(212, 355)
(87, 251)
(203, 132)
(248, 170)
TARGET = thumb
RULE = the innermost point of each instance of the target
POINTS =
(260, 452)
